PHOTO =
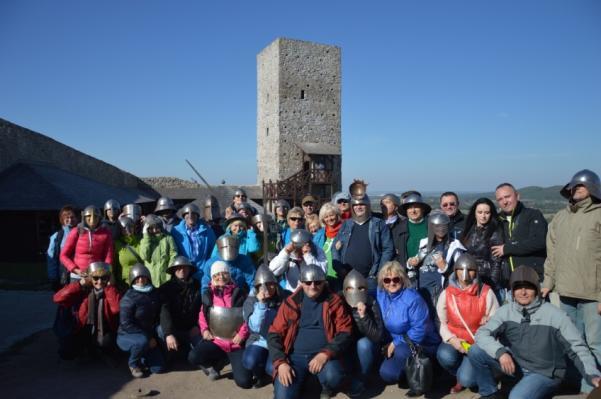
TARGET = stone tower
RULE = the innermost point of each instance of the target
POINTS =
(298, 112)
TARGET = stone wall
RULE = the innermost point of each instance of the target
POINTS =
(18, 144)
(298, 98)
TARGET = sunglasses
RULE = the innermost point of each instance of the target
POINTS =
(103, 278)
(240, 196)
(342, 201)
(448, 204)
(309, 204)
(388, 280)
(315, 283)
(296, 219)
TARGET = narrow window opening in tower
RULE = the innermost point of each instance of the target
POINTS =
(302, 94)
(266, 131)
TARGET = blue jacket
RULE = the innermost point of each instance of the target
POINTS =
(242, 272)
(319, 238)
(249, 243)
(184, 245)
(380, 239)
(139, 312)
(52, 256)
(406, 312)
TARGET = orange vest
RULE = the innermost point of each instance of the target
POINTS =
(471, 306)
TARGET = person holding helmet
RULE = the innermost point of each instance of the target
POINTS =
(367, 326)
(301, 250)
(138, 319)
(88, 243)
(97, 317)
(465, 305)
(310, 333)
(127, 252)
(241, 267)
(239, 201)
(112, 210)
(412, 230)
(157, 249)
(236, 226)
(58, 274)
(364, 243)
(193, 237)
(573, 265)
(222, 327)
(259, 312)
(295, 220)
(437, 255)
(167, 211)
(528, 340)
(180, 305)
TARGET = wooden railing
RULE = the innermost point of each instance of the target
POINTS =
(295, 187)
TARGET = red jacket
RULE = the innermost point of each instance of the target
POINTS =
(282, 333)
(83, 247)
(472, 306)
(74, 294)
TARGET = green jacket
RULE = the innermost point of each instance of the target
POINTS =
(573, 265)
(125, 259)
(158, 252)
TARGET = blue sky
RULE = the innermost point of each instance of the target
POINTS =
(436, 95)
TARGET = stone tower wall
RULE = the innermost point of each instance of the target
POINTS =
(305, 108)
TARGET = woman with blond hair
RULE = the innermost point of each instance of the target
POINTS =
(405, 314)
(329, 216)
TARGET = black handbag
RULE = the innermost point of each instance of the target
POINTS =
(418, 370)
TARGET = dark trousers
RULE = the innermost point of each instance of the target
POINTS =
(208, 354)
(257, 360)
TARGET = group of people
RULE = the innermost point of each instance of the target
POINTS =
(339, 291)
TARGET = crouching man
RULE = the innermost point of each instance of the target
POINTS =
(311, 330)
(527, 339)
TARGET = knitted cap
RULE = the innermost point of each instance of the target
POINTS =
(218, 267)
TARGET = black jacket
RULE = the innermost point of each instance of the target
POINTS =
(457, 225)
(478, 242)
(180, 305)
(370, 326)
(400, 234)
(139, 312)
(525, 240)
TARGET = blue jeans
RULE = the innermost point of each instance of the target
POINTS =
(140, 352)
(393, 368)
(367, 351)
(530, 385)
(585, 317)
(457, 364)
(257, 360)
(331, 376)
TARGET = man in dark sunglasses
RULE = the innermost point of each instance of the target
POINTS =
(449, 204)
(308, 335)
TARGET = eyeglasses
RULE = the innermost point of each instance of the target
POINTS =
(103, 278)
(294, 219)
(448, 204)
(315, 283)
(388, 280)
(240, 196)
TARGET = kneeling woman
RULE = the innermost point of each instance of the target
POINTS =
(259, 312)
(97, 315)
(462, 308)
(405, 314)
(139, 318)
(222, 327)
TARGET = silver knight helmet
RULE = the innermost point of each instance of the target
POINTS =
(139, 270)
(228, 247)
(114, 206)
(355, 288)
(361, 200)
(588, 179)
(164, 204)
(93, 215)
(312, 273)
(300, 237)
(134, 211)
(211, 209)
(438, 225)
(463, 265)
(190, 208)
(225, 322)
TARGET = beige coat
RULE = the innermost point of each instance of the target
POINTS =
(573, 265)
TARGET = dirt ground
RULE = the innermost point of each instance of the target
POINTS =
(32, 369)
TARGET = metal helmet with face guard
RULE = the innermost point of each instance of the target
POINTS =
(228, 247)
(354, 288)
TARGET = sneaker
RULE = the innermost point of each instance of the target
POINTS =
(212, 374)
(457, 388)
(136, 372)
